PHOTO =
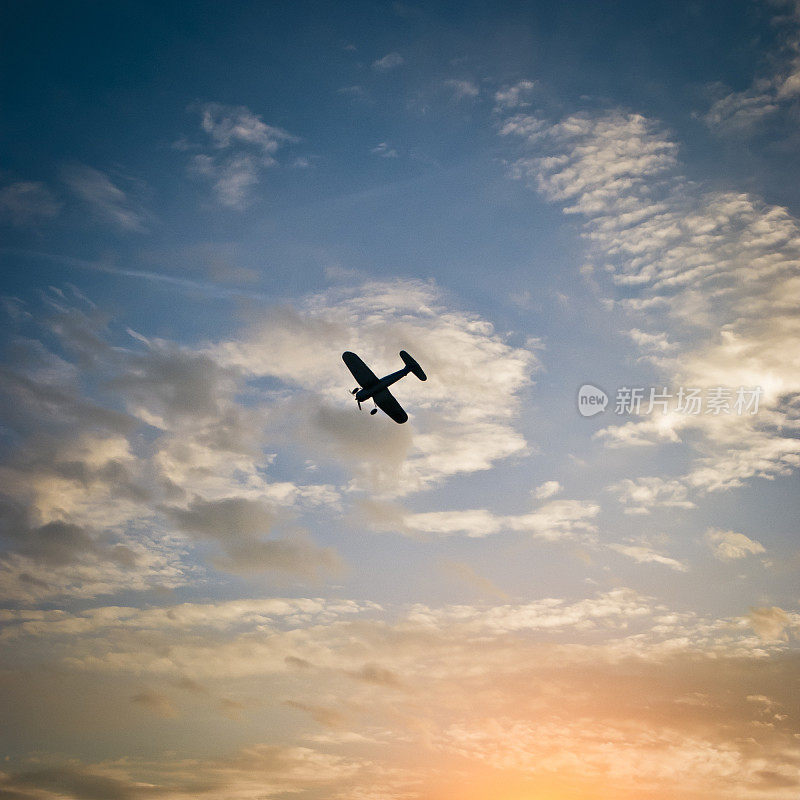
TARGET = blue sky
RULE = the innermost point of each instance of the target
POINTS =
(219, 579)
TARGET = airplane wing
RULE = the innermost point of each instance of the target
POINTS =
(361, 372)
(386, 402)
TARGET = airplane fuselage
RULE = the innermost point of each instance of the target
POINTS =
(383, 383)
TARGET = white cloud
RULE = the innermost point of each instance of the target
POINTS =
(600, 160)
(232, 179)
(729, 545)
(243, 147)
(640, 495)
(617, 607)
(514, 96)
(558, 519)
(388, 62)
(714, 273)
(644, 554)
(652, 342)
(385, 150)
(462, 89)
(455, 427)
(771, 622)
(231, 125)
(742, 112)
(106, 200)
(547, 489)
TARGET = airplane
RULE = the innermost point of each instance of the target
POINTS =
(370, 386)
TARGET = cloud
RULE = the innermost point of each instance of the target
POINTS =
(384, 150)
(232, 178)
(619, 605)
(260, 770)
(239, 525)
(243, 147)
(547, 489)
(529, 686)
(729, 545)
(710, 272)
(652, 342)
(462, 89)
(514, 96)
(455, 427)
(743, 112)
(328, 717)
(388, 62)
(27, 203)
(231, 125)
(644, 554)
(156, 702)
(106, 200)
(84, 504)
(601, 158)
(769, 623)
(354, 91)
(73, 782)
(377, 675)
(555, 520)
(640, 495)
(165, 384)
(94, 508)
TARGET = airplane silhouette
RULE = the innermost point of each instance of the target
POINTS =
(369, 385)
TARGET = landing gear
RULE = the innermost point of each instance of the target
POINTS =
(373, 411)
(355, 391)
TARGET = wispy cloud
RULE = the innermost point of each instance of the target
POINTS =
(644, 554)
(353, 91)
(388, 62)
(461, 89)
(27, 203)
(384, 150)
(743, 112)
(105, 199)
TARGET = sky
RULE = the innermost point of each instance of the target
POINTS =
(573, 574)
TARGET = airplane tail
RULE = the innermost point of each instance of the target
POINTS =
(413, 366)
